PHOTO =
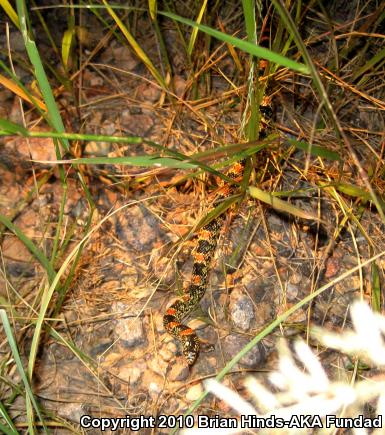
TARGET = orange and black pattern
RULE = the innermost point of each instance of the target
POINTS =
(206, 243)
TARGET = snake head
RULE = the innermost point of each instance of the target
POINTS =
(190, 346)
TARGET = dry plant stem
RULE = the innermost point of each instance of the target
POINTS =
(318, 83)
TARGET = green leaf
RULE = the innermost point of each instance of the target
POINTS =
(66, 46)
(376, 288)
(354, 191)
(16, 356)
(145, 161)
(315, 150)
(39, 255)
(10, 12)
(4, 414)
(278, 204)
(136, 47)
(12, 128)
(194, 33)
(246, 46)
(357, 192)
(54, 117)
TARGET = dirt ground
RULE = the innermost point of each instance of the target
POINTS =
(135, 262)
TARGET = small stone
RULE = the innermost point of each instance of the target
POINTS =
(194, 392)
(124, 57)
(140, 124)
(15, 250)
(101, 347)
(108, 128)
(37, 148)
(138, 228)
(166, 355)
(149, 93)
(179, 85)
(179, 371)
(99, 149)
(264, 313)
(130, 374)
(241, 310)
(298, 316)
(171, 345)
(234, 343)
(154, 389)
(111, 360)
(158, 366)
(291, 292)
(72, 411)
(96, 81)
(296, 278)
(17, 41)
(130, 332)
(333, 266)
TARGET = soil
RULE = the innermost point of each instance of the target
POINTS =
(109, 354)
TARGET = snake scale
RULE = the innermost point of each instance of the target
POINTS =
(202, 253)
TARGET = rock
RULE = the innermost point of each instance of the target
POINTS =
(108, 128)
(149, 93)
(241, 310)
(98, 149)
(179, 371)
(96, 81)
(130, 331)
(333, 266)
(166, 355)
(13, 249)
(125, 58)
(130, 374)
(292, 292)
(137, 124)
(180, 85)
(157, 365)
(194, 392)
(155, 389)
(111, 360)
(234, 343)
(37, 148)
(137, 228)
(72, 411)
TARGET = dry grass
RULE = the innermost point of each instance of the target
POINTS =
(186, 106)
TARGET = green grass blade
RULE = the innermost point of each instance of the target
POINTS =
(280, 319)
(286, 17)
(255, 91)
(245, 46)
(39, 255)
(179, 157)
(11, 128)
(194, 33)
(315, 150)
(378, 57)
(144, 161)
(136, 47)
(250, 22)
(7, 431)
(45, 88)
(376, 289)
(8, 9)
(11, 428)
(15, 352)
(16, 87)
(67, 45)
(279, 205)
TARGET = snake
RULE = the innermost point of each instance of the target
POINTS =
(206, 241)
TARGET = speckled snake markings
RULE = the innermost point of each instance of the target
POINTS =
(206, 243)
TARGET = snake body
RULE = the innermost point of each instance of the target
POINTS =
(203, 252)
